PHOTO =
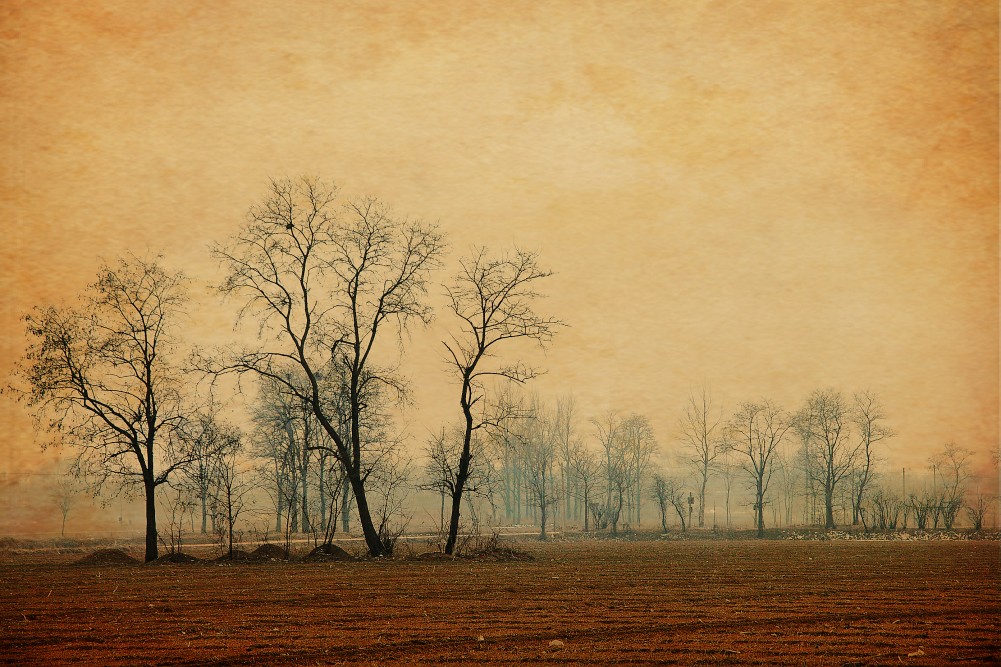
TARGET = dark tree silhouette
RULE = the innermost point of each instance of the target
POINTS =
(323, 279)
(100, 377)
(755, 433)
(492, 299)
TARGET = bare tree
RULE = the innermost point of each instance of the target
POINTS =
(492, 297)
(659, 494)
(607, 430)
(323, 280)
(977, 510)
(566, 444)
(638, 446)
(755, 433)
(885, 509)
(390, 488)
(231, 488)
(788, 480)
(538, 441)
(208, 439)
(587, 470)
(868, 417)
(824, 424)
(728, 469)
(953, 464)
(668, 492)
(64, 495)
(100, 376)
(702, 437)
(442, 454)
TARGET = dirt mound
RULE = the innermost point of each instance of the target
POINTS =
(178, 557)
(108, 557)
(268, 552)
(327, 552)
(238, 556)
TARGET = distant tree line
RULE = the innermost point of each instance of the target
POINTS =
(329, 286)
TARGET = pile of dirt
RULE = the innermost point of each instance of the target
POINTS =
(176, 557)
(108, 557)
(238, 556)
(327, 552)
(267, 552)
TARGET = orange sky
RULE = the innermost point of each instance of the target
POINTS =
(768, 196)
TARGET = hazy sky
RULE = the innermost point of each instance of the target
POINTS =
(769, 197)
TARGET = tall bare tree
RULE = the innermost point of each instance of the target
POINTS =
(586, 469)
(702, 437)
(824, 423)
(230, 488)
(492, 298)
(638, 446)
(208, 438)
(100, 376)
(868, 417)
(755, 433)
(64, 495)
(538, 439)
(566, 444)
(608, 432)
(322, 279)
(952, 466)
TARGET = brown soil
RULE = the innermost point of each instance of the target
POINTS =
(269, 552)
(587, 603)
(108, 557)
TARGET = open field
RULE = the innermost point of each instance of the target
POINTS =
(609, 603)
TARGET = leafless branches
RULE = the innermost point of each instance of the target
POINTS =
(100, 376)
(492, 300)
(321, 279)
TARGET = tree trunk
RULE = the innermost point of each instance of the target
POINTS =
(702, 502)
(345, 507)
(205, 510)
(456, 497)
(463, 473)
(151, 545)
(760, 507)
(303, 474)
(372, 539)
(829, 508)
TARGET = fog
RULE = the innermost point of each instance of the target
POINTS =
(766, 200)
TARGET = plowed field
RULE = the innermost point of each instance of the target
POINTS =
(604, 603)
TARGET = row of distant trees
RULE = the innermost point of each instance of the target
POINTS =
(329, 286)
